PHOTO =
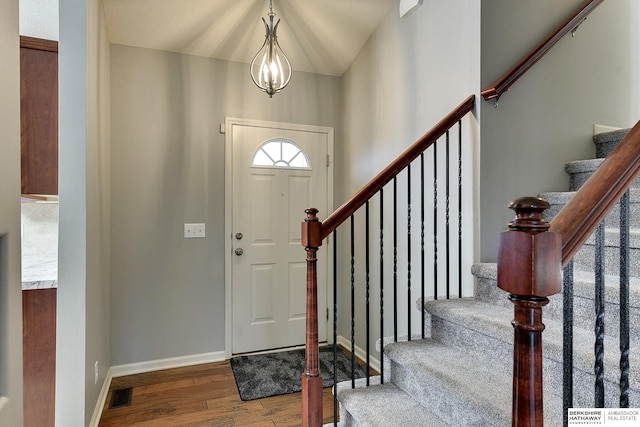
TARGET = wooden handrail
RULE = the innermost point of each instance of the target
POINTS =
(531, 255)
(347, 209)
(580, 217)
(496, 90)
(314, 232)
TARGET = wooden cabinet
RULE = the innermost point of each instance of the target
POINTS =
(39, 115)
(39, 356)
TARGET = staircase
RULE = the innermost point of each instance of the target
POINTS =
(461, 375)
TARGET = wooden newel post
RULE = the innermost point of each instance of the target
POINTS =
(529, 268)
(311, 379)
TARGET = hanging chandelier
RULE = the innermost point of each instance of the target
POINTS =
(270, 67)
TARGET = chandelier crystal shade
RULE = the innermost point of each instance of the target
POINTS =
(270, 67)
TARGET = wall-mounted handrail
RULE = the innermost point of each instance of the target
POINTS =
(372, 187)
(580, 217)
(501, 85)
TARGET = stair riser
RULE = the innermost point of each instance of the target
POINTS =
(584, 260)
(501, 354)
(606, 142)
(584, 315)
(612, 220)
(576, 180)
(449, 405)
(583, 306)
(583, 387)
(487, 290)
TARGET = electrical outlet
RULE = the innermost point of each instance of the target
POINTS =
(95, 377)
(194, 231)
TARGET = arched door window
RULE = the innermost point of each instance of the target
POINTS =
(280, 153)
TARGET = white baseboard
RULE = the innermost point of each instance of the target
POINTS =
(152, 365)
(598, 129)
(360, 353)
(173, 362)
(102, 398)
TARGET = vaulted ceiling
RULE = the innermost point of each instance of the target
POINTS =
(318, 36)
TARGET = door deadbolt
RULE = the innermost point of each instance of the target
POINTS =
(239, 251)
(239, 236)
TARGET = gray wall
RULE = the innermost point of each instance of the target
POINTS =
(10, 284)
(167, 169)
(547, 117)
(83, 274)
(410, 74)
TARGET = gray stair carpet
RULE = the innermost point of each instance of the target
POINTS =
(606, 142)
(462, 374)
(474, 326)
(384, 405)
(431, 383)
(583, 289)
(557, 200)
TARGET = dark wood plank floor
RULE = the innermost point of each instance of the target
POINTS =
(201, 395)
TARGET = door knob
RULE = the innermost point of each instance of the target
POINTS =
(239, 251)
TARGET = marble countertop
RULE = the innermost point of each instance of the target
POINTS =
(39, 271)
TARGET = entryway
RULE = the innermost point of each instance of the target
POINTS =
(274, 172)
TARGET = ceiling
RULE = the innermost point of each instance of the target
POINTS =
(318, 36)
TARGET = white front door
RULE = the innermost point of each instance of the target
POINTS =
(278, 172)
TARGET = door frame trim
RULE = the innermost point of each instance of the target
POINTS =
(228, 203)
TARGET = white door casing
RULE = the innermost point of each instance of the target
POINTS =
(266, 264)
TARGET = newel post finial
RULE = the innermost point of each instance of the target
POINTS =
(311, 239)
(529, 268)
(529, 214)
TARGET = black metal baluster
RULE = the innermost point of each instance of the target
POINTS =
(447, 236)
(422, 266)
(335, 327)
(624, 300)
(567, 346)
(460, 209)
(381, 286)
(366, 243)
(395, 259)
(435, 221)
(409, 252)
(353, 306)
(599, 325)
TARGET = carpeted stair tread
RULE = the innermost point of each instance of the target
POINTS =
(563, 197)
(583, 288)
(605, 142)
(612, 238)
(558, 199)
(581, 166)
(493, 324)
(584, 283)
(580, 170)
(461, 388)
(584, 258)
(383, 406)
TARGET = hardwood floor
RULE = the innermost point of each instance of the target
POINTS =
(202, 395)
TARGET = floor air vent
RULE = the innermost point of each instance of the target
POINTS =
(121, 398)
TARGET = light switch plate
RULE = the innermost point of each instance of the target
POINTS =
(194, 231)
